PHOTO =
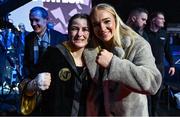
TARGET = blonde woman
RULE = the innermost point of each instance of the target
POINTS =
(127, 67)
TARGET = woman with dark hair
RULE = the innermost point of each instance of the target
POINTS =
(63, 78)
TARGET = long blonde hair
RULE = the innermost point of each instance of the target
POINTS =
(122, 30)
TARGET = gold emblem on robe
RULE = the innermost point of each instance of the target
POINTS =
(64, 74)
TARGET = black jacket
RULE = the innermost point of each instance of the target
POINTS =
(160, 48)
(30, 68)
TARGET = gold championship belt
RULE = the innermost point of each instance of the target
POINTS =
(28, 104)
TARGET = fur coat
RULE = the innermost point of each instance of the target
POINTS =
(127, 81)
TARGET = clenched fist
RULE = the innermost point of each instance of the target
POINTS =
(104, 58)
(43, 80)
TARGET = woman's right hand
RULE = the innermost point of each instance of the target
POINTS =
(104, 58)
(43, 80)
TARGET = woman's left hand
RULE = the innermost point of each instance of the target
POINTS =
(104, 58)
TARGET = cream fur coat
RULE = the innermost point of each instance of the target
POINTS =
(127, 81)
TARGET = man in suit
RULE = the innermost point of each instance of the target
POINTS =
(36, 43)
(38, 40)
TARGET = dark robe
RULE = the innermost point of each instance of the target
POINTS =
(58, 99)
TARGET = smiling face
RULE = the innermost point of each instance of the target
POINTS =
(79, 33)
(38, 23)
(103, 25)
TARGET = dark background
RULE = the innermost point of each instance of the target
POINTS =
(171, 8)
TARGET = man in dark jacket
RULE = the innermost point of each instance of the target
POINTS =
(160, 47)
(38, 40)
(137, 21)
(36, 43)
(20, 43)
